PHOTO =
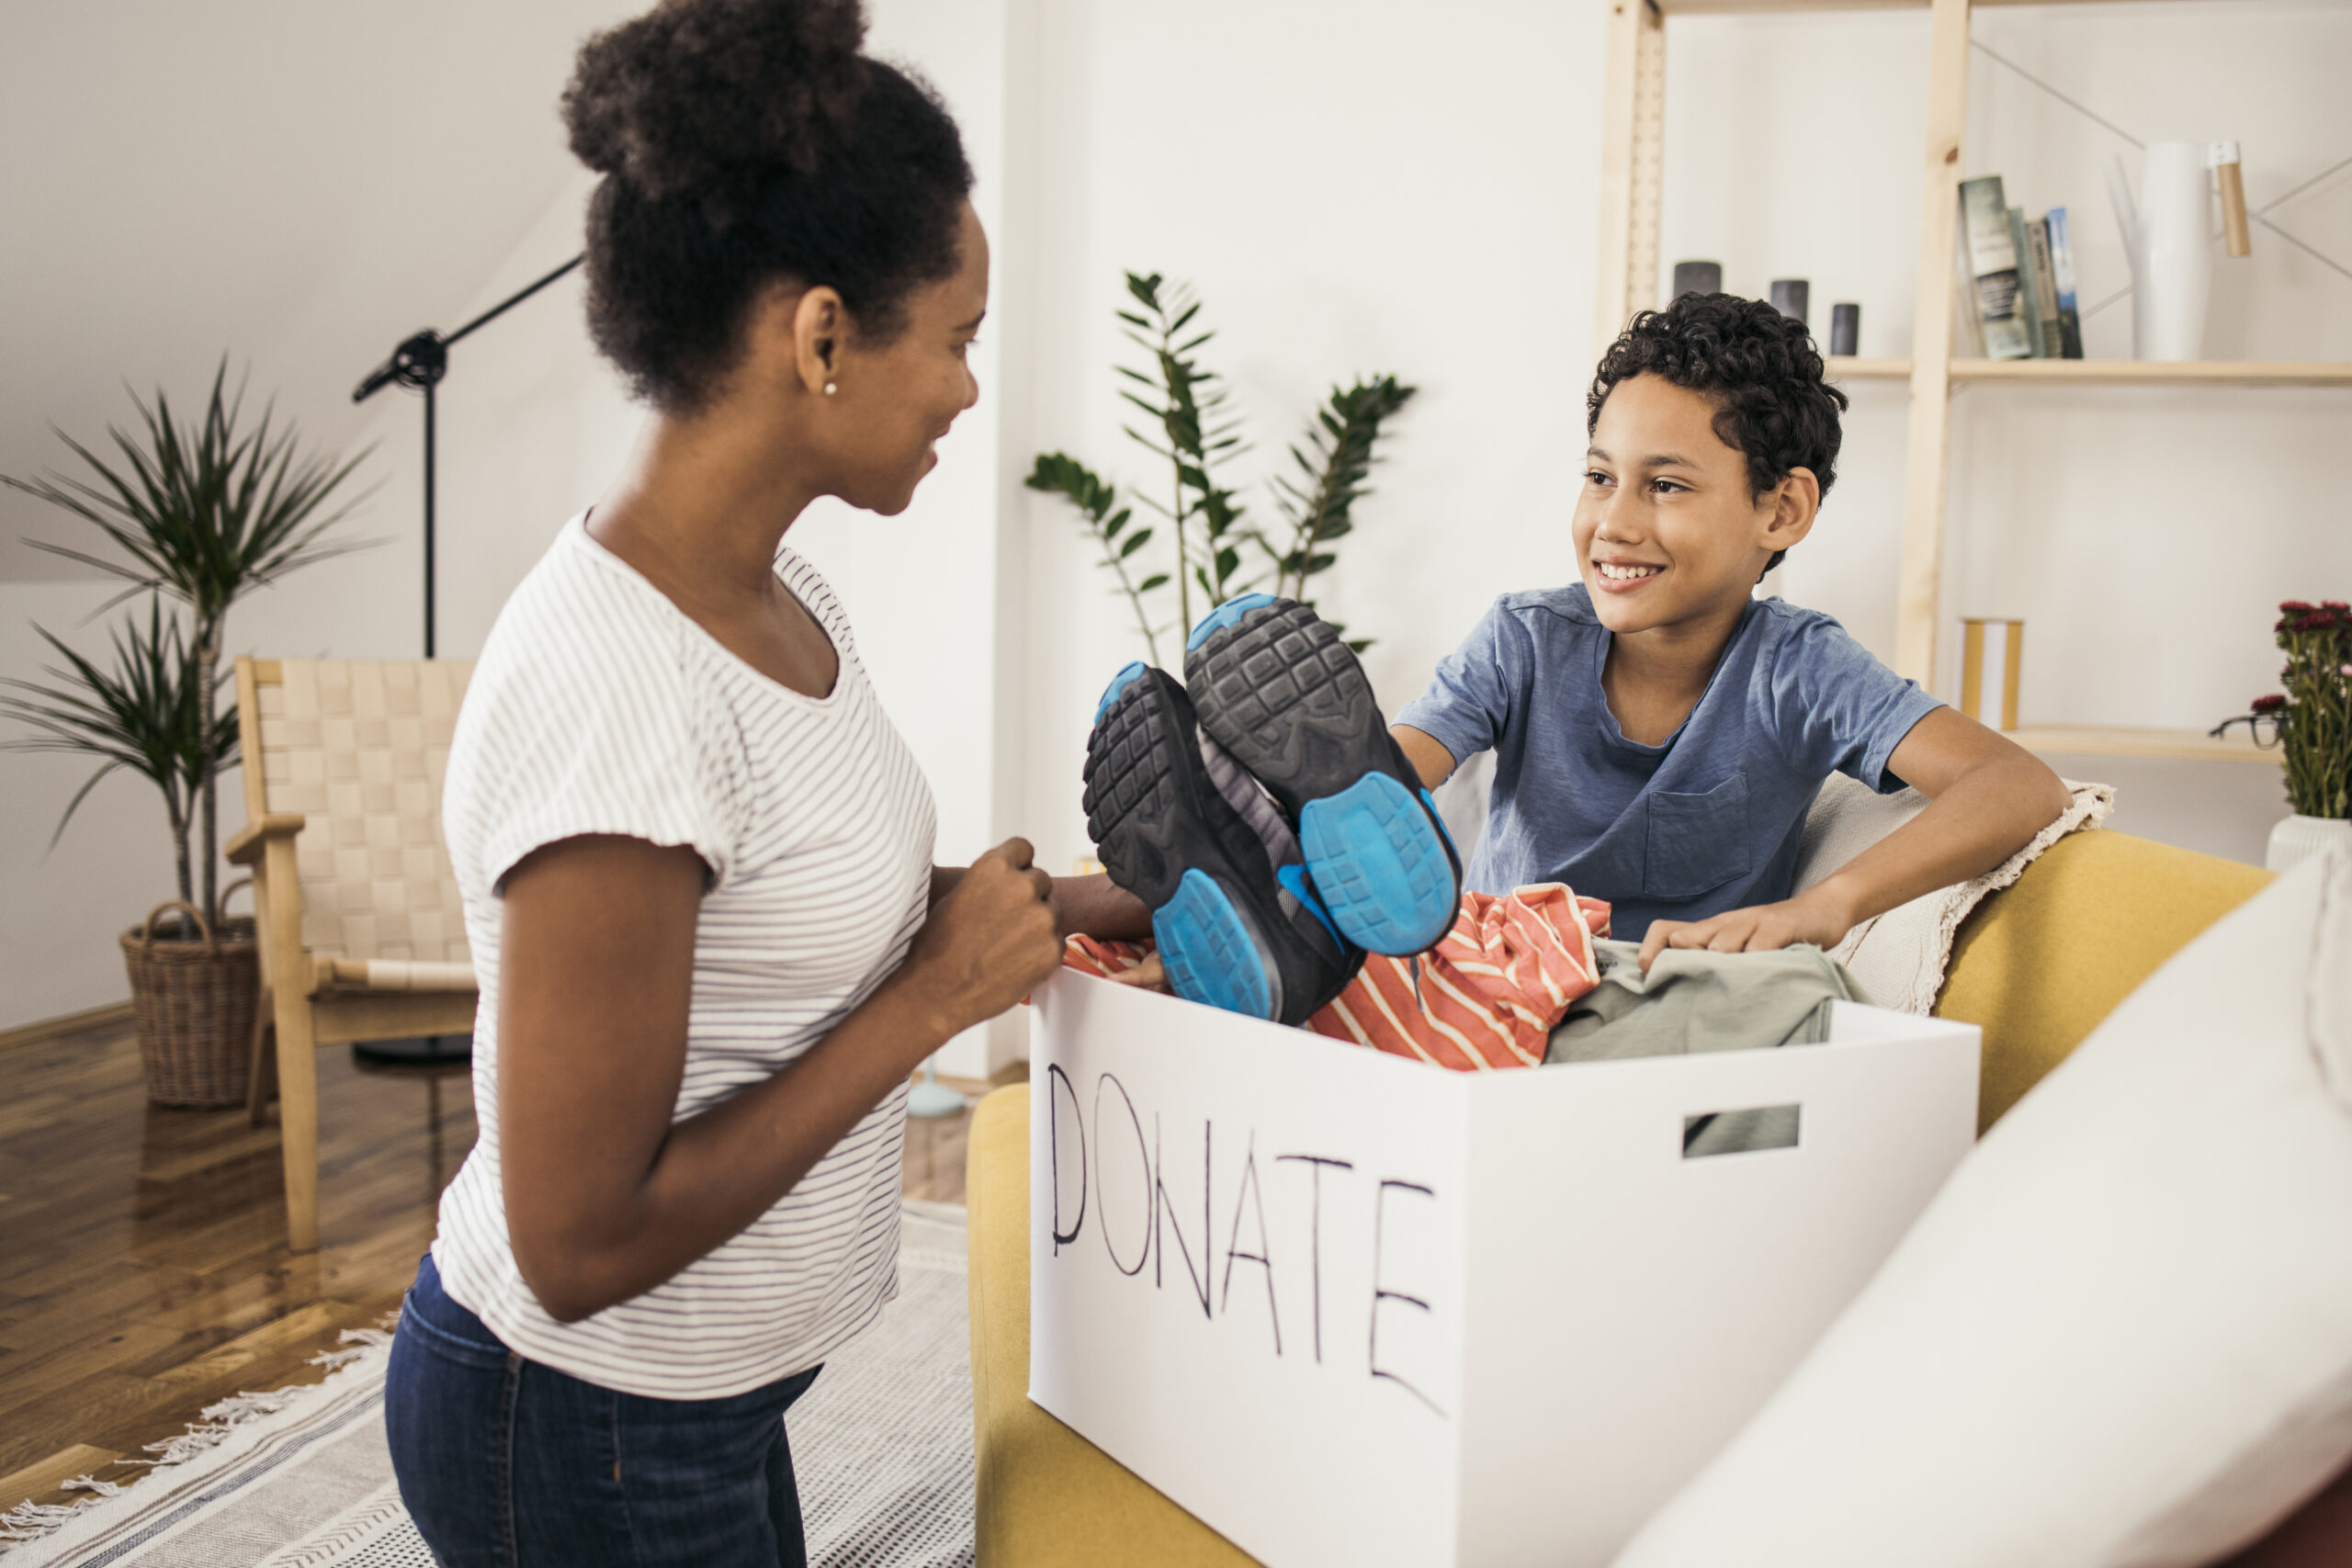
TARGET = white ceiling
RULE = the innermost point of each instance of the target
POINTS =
(298, 184)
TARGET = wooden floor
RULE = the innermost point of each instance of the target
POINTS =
(143, 1269)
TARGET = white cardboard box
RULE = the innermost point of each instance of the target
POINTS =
(1346, 1308)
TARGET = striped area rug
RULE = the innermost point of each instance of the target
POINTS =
(882, 1446)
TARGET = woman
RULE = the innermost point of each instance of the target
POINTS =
(696, 856)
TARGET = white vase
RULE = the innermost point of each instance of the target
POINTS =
(2299, 838)
(2167, 239)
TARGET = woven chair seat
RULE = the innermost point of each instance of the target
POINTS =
(392, 975)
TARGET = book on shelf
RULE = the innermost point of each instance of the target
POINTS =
(2045, 289)
(2061, 278)
(2029, 283)
(1992, 269)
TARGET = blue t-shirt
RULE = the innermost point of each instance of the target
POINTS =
(1707, 822)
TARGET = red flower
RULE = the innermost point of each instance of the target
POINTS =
(2316, 621)
(2270, 704)
(2339, 606)
(2293, 606)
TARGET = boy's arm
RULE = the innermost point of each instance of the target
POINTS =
(1989, 798)
(1426, 752)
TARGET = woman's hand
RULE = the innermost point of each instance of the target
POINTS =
(991, 939)
(1812, 916)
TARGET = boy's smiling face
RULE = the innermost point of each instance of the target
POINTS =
(1669, 532)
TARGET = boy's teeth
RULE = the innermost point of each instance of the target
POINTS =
(1625, 574)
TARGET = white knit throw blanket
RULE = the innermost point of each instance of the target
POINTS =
(1900, 957)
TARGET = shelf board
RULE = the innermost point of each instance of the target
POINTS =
(1845, 367)
(2111, 372)
(2183, 745)
(1760, 7)
(2154, 373)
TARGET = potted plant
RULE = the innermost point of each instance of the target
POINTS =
(2311, 722)
(1206, 522)
(200, 516)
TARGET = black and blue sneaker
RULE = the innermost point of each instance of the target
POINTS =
(1237, 928)
(1276, 688)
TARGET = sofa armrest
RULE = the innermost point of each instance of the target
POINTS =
(2040, 964)
(1047, 1498)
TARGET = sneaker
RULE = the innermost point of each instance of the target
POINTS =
(1277, 688)
(1236, 929)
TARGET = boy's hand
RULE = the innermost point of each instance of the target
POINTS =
(1812, 916)
(1148, 976)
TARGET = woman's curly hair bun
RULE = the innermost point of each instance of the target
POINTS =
(744, 143)
(693, 95)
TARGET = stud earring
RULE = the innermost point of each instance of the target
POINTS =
(831, 388)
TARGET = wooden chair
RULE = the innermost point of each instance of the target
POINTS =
(362, 933)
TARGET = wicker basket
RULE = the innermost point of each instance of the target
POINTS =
(195, 1002)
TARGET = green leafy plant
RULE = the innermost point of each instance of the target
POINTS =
(2310, 721)
(201, 513)
(1192, 430)
(148, 712)
(1106, 520)
(1336, 466)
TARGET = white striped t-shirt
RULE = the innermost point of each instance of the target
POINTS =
(598, 706)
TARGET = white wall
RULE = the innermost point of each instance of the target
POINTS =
(1378, 187)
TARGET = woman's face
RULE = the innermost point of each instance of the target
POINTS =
(895, 401)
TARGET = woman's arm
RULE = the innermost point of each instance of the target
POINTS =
(604, 1197)
(1988, 797)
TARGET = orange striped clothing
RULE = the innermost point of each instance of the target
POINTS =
(1489, 992)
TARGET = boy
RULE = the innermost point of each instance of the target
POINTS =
(1659, 733)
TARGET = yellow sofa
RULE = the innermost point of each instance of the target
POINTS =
(2037, 967)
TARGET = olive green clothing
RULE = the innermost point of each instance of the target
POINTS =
(1691, 1002)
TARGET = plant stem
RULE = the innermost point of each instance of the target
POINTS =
(208, 659)
(1183, 546)
(179, 851)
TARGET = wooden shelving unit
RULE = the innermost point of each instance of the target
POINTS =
(2182, 745)
(1845, 367)
(1632, 179)
(2111, 372)
(2150, 373)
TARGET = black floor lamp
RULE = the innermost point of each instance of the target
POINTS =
(421, 361)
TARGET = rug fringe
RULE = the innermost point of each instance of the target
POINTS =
(30, 1521)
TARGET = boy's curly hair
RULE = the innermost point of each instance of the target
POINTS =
(742, 141)
(1757, 366)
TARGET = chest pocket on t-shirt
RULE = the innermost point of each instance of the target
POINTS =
(1698, 842)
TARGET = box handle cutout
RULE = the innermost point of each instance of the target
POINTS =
(1741, 1132)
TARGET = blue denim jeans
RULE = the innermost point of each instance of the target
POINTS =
(506, 1463)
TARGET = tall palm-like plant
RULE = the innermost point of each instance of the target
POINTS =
(149, 713)
(203, 512)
